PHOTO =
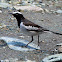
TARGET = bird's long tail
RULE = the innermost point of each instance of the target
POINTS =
(54, 32)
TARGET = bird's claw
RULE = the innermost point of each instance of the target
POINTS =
(24, 46)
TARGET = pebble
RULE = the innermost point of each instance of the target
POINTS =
(59, 11)
(29, 8)
(60, 49)
(42, 41)
(54, 40)
(53, 58)
(2, 25)
(43, 4)
(4, 5)
(46, 10)
(12, 18)
(21, 36)
(0, 11)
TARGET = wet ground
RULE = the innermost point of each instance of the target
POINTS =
(48, 40)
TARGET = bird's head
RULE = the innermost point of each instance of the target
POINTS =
(17, 15)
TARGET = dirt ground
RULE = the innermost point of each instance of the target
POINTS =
(48, 40)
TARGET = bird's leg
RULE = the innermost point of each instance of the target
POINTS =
(38, 40)
(29, 42)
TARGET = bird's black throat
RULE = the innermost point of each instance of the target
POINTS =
(19, 18)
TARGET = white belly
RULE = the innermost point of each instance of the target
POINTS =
(29, 33)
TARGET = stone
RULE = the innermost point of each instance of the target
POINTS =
(21, 36)
(2, 26)
(0, 11)
(43, 4)
(52, 11)
(60, 49)
(59, 11)
(46, 10)
(53, 58)
(28, 8)
(5, 5)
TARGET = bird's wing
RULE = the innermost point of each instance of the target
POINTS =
(33, 27)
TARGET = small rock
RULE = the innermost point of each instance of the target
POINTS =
(46, 10)
(43, 4)
(53, 58)
(42, 41)
(2, 26)
(60, 49)
(59, 11)
(5, 5)
(42, 20)
(12, 18)
(0, 11)
(52, 11)
(29, 8)
(54, 40)
(21, 36)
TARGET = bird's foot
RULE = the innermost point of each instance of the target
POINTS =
(24, 46)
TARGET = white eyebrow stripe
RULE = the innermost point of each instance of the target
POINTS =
(17, 12)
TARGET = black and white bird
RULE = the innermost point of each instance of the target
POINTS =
(29, 28)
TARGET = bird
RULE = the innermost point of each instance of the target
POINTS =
(29, 28)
